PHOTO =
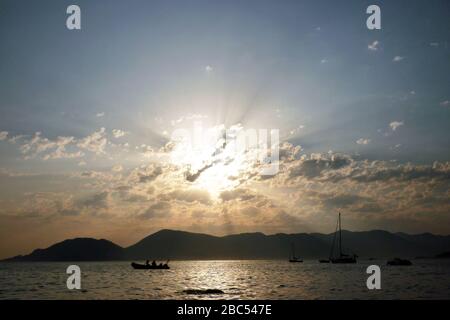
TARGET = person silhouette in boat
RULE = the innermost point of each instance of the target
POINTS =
(153, 263)
(147, 262)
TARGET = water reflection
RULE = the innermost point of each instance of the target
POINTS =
(227, 279)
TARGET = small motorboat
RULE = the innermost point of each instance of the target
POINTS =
(399, 262)
(149, 266)
(294, 259)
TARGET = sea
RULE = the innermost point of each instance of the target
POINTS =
(243, 279)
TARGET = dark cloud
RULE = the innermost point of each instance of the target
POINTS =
(314, 167)
(96, 201)
(160, 209)
(343, 200)
(192, 177)
(149, 174)
(404, 173)
(240, 193)
(190, 195)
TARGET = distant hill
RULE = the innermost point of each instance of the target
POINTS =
(170, 244)
(79, 249)
(444, 255)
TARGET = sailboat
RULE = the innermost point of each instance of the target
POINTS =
(292, 257)
(342, 258)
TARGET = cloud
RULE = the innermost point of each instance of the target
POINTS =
(317, 164)
(373, 46)
(381, 171)
(398, 59)
(14, 139)
(95, 201)
(117, 168)
(208, 69)
(363, 141)
(60, 151)
(251, 211)
(289, 152)
(190, 195)
(145, 174)
(161, 209)
(342, 200)
(323, 61)
(236, 194)
(49, 149)
(434, 44)
(3, 135)
(100, 114)
(96, 142)
(117, 133)
(444, 103)
(396, 124)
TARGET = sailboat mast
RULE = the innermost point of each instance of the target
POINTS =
(340, 236)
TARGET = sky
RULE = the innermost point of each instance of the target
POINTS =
(88, 116)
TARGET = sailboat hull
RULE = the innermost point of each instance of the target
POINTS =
(344, 260)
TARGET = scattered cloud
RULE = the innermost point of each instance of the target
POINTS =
(117, 133)
(100, 114)
(160, 209)
(395, 125)
(189, 196)
(208, 69)
(3, 135)
(363, 141)
(444, 103)
(49, 149)
(373, 46)
(96, 142)
(316, 164)
(117, 168)
(398, 58)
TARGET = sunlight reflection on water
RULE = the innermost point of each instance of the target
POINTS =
(426, 279)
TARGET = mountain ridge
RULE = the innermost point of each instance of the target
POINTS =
(184, 245)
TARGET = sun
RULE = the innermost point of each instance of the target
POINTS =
(210, 160)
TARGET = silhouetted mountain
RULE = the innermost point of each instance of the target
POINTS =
(444, 255)
(170, 244)
(79, 249)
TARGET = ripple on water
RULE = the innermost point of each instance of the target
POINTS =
(236, 280)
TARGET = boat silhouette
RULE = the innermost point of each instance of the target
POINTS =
(293, 257)
(399, 262)
(342, 257)
(148, 266)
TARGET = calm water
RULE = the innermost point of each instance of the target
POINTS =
(426, 279)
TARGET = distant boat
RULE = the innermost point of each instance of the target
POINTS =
(324, 261)
(292, 257)
(399, 262)
(342, 258)
(149, 266)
